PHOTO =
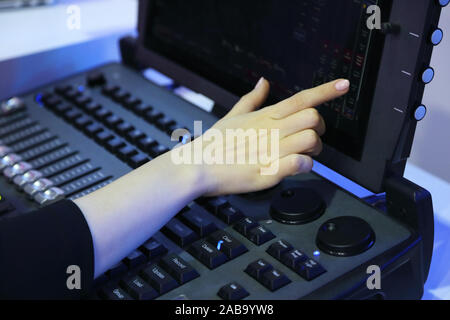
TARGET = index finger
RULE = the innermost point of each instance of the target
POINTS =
(310, 98)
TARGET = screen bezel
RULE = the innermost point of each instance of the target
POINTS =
(390, 128)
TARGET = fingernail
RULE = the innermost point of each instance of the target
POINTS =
(260, 81)
(342, 85)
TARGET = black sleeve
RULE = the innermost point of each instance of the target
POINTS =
(37, 248)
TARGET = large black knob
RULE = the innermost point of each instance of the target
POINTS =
(345, 236)
(297, 206)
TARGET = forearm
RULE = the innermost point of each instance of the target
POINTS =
(127, 212)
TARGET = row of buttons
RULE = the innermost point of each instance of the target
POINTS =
(31, 181)
(87, 123)
(152, 280)
(296, 260)
(149, 113)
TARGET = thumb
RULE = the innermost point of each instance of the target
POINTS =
(252, 100)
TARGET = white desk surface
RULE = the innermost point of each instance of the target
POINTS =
(100, 18)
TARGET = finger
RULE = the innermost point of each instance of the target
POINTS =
(305, 142)
(310, 98)
(306, 119)
(252, 100)
(288, 166)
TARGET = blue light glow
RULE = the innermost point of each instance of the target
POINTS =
(219, 244)
(316, 253)
(81, 88)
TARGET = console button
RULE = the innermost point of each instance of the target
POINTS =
(245, 225)
(27, 177)
(436, 36)
(230, 214)
(147, 143)
(226, 243)
(137, 288)
(297, 206)
(214, 204)
(233, 291)
(17, 169)
(179, 232)
(260, 235)
(96, 79)
(38, 186)
(114, 144)
(345, 236)
(420, 113)
(103, 137)
(135, 259)
(157, 150)
(138, 160)
(278, 248)
(112, 121)
(293, 258)
(444, 3)
(274, 279)
(258, 268)
(126, 152)
(48, 196)
(159, 279)
(123, 128)
(153, 248)
(9, 160)
(114, 293)
(131, 102)
(178, 268)
(11, 105)
(310, 269)
(135, 135)
(109, 89)
(199, 220)
(428, 75)
(93, 129)
(207, 254)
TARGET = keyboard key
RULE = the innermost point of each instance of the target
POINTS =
(274, 280)
(207, 254)
(310, 269)
(152, 249)
(230, 214)
(62, 108)
(114, 293)
(228, 244)
(138, 288)
(96, 79)
(164, 122)
(153, 115)
(115, 144)
(123, 128)
(61, 89)
(72, 94)
(138, 160)
(245, 225)
(199, 220)
(82, 101)
(94, 128)
(233, 291)
(158, 150)
(159, 279)
(126, 152)
(293, 258)
(141, 109)
(117, 270)
(134, 135)
(109, 89)
(260, 235)
(92, 107)
(258, 268)
(120, 95)
(112, 121)
(83, 122)
(147, 143)
(102, 113)
(179, 232)
(178, 268)
(135, 259)
(131, 102)
(214, 204)
(103, 137)
(71, 115)
(278, 248)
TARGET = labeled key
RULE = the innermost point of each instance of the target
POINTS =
(199, 220)
(179, 232)
(178, 268)
(258, 268)
(226, 243)
(207, 254)
(159, 279)
(233, 291)
(138, 288)
(260, 235)
(274, 280)
(278, 248)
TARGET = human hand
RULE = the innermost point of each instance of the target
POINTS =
(271, 143)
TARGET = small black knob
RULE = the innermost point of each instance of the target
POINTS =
(345, 236)
(297, 206)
